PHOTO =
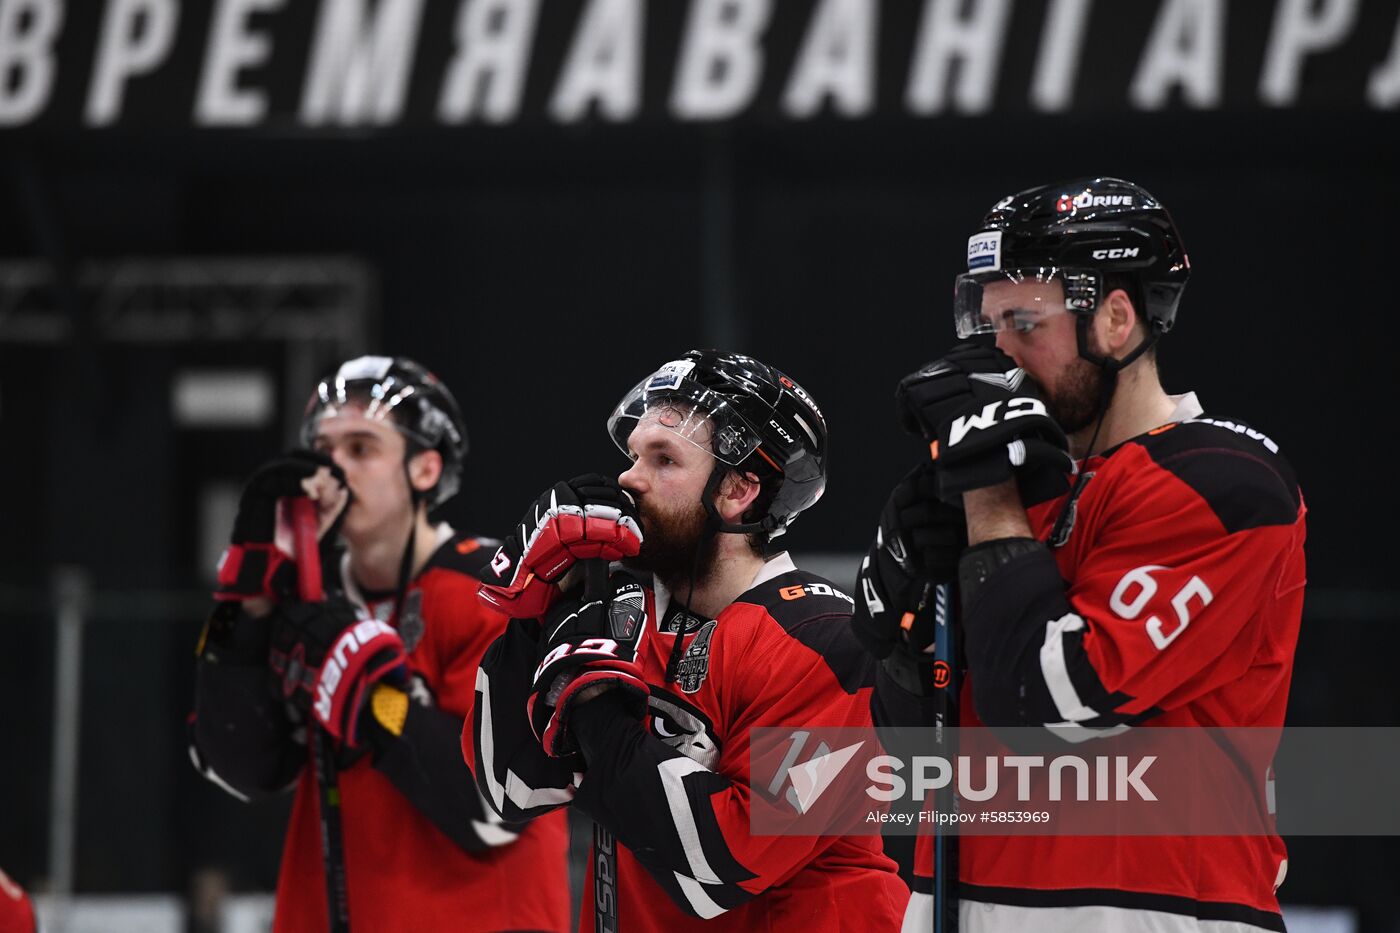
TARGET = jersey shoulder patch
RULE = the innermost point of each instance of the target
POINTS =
(466, 554)
(797, 596)
(817, 614)
(1237, 470)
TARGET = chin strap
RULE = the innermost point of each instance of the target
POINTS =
(714, 525)
(409, 548)
(673, 660)
(1107, 363)
(1109, 369)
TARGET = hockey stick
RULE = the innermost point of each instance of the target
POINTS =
(605, 880)
(309, 587)
(945, 667)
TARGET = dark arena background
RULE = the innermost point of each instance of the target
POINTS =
(205, 204)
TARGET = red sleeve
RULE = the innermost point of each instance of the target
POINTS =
(16, 912)
(460, 632)
(689, 825)
(1173, 604)
(1175, 582)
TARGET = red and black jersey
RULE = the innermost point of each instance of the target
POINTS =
(673, 799)
(422, 852)
(1174, 601)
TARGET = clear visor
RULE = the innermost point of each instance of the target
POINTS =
(1016, 299)
(691, 412)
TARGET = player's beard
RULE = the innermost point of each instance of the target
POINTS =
(1074, 402)
(670, 542)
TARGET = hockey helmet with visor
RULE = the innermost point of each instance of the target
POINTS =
(404, 395)
(748, 416)
(1074, 235)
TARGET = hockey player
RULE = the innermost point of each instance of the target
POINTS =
(1160, 585)
(635, 700)
(420, 852)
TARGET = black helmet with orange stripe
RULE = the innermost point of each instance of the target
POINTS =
(750, 417)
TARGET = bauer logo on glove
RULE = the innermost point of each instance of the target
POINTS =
(366, 653)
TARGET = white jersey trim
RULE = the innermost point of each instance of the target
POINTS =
(918, 916)
(1187, 407)
(516, 790)
(700, 902)
(1056, 672)
(982, 917)
(672, 771)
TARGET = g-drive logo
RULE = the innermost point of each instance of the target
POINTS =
(984, 252)
(1079, 202)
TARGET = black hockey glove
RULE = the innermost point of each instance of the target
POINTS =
(587, 517)
(592, 640)
(302, 633)
(916, 546)
(983, 419)
(258, 561)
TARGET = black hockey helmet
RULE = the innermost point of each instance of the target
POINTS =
(407, 396)
(749, 416)
(1077, 232)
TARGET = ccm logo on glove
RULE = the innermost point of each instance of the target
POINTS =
(337, 662)
(992, 414)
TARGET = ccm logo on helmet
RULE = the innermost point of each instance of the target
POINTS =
(993, 414)
(359, 635)
(1125, 253)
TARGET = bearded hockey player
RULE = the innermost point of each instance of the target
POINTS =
(384, 669)
(1154, 580)
(634, 700)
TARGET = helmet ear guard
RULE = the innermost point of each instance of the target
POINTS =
(767, 524)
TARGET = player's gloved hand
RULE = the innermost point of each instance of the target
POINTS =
(258, 561)
(984, 421)
(301, 634)
(588, 642)
(587, 517)
(365, 654)
(916, 546)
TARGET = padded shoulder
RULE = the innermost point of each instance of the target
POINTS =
(812, 611)
(796, 597)
(465, 554)
(1237, 470)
